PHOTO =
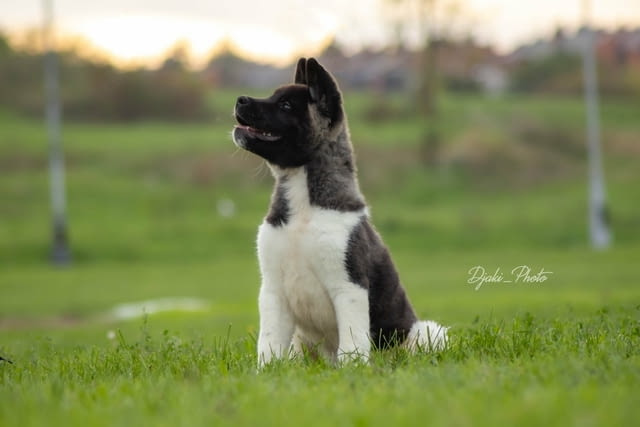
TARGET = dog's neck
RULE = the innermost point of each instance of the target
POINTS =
(328, 181)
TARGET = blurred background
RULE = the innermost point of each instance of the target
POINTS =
(468, 118)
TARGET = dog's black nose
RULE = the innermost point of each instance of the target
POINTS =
(243, 100)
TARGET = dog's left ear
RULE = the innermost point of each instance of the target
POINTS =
(301, 72)
(324, 90)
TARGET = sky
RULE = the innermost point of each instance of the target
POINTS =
(276, 31)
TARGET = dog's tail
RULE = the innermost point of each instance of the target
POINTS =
(427, 335)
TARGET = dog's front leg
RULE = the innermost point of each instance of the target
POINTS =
(351, 304)
(276, 325)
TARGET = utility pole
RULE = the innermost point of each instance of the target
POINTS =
(598, 213)
(60, 254)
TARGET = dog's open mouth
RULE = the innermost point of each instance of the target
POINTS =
(252, 132)
(258, 133)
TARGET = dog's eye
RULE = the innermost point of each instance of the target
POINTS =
(285, 106)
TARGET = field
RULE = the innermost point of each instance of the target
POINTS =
(163, 216)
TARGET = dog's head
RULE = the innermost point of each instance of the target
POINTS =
(289, 126)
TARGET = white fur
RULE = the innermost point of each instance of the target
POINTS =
(305, 286)
(426, 335)
(306, 298)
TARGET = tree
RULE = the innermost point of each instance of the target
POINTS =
(433, 21)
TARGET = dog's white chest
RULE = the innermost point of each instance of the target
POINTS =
(305, 259)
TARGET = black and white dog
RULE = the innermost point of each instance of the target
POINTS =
(328, 282)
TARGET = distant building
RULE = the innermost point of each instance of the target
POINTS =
(621, 47)
(461, 65)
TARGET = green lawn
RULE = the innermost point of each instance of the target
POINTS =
(145, 224)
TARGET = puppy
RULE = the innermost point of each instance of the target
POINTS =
(328, 282)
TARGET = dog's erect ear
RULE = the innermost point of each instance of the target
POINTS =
(301, 72)
(324, 90)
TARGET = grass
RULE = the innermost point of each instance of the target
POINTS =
(145, 224)
(526, 371)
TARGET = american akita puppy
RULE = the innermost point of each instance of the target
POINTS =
(328, 282)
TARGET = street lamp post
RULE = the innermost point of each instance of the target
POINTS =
(598, 214)
(60, 254)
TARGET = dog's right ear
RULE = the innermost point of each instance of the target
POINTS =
(301, 72)
(324, 91)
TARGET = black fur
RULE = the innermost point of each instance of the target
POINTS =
(368, 263)
(279, 210)
(300, 77)
(331, 178)
(324, 92)
(298, 139)
(291, 148)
